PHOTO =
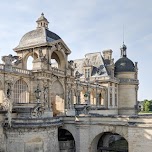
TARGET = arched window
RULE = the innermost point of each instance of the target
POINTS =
(21, 94)
(30, 63)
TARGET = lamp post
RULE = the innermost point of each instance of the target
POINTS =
(78, 91)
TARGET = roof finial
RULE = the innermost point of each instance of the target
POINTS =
(123, 34)
(124, 47)
(42, 22)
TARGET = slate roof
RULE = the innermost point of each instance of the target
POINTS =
(97, 63)
(124, 65)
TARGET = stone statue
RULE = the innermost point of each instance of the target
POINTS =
(42, 57)
(9, 90)
(45, 92)
(10, 60)
(37, 93)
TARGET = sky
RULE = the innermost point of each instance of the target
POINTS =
(86, 26)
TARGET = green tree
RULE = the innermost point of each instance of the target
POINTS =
(147, 106)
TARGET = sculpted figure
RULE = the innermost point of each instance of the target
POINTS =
(10, 60)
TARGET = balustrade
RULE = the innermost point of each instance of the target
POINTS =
(57, 71)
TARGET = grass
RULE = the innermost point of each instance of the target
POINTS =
(145, 112)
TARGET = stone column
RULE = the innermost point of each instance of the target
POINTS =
(97, 99)
(82, 138)
(72, 98)
(77, 92)
(78, 97)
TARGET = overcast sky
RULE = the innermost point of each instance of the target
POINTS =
(86, 26)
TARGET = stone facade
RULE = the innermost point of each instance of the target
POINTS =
(85, 105)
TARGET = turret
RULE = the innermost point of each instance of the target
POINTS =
(126, 72)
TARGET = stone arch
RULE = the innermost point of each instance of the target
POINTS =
(27, 82)
(60, 58)
(120, 130)
(21, 92)
(32, 54)
(66, 140)
(57, 97)
(112, 142)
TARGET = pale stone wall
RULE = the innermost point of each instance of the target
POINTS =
(2, 136)
(140, 139)
(105, 112)
(32, 140)
(126, 75)
(87, 131)
(127, 96)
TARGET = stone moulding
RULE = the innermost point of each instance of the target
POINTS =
(33, 122)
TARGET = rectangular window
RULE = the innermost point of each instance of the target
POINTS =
(87, 73)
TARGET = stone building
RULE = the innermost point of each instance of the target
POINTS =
(85, 105)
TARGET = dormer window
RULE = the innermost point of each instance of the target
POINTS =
(87, 73)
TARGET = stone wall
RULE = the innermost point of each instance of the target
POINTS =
(32, 140)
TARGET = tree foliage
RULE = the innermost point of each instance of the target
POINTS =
(147, 105)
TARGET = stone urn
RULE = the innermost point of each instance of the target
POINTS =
(81, 109)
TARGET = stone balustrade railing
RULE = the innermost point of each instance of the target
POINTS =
(33, 122)
(21, 71)
(57, 71)
(15, 70)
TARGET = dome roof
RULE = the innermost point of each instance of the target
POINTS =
(39, 36)
(124, 65)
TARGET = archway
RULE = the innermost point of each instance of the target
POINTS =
(57, 98)
(54, 63)
(30, 63)
(29, 60)
(66, 141)
(59, 59)
(112, 142)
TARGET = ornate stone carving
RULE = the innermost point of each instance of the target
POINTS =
(87, 62)
(37, 93)
(37, 111)
(8, 85)
(8, 60)
(45, 93)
